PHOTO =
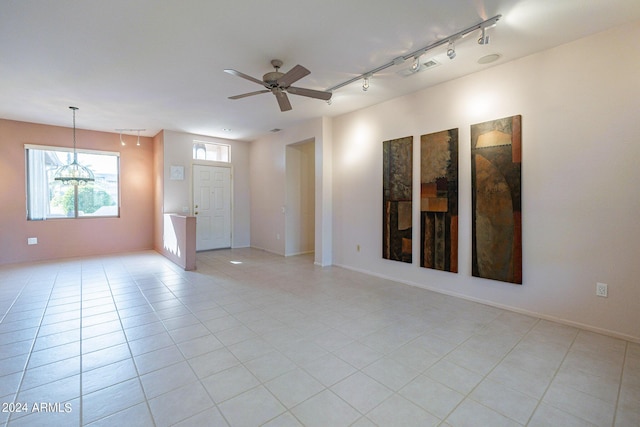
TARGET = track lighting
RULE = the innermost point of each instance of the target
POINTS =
(129, 130)
(451, 50)
(416, 66)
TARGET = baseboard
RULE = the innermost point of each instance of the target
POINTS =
(543, 316)
(300, 253)
(266, 250)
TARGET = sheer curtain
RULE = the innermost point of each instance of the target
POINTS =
(38, 185)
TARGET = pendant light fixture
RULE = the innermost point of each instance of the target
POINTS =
(74, 173)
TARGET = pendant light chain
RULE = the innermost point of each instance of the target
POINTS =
(75, 154)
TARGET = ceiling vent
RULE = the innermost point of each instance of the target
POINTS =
(429, 63)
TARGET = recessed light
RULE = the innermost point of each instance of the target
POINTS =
(488, 59)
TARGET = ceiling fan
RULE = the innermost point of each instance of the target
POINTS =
(279, 84)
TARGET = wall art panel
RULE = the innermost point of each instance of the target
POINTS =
(496, 150)
(439, 200)
(397, 191)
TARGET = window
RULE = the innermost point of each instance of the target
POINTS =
(211, 151)
(48, 198)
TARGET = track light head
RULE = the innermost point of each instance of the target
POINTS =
(484, 38)
(451, 50)
(129, 130)
(365, 83)
(415, 67)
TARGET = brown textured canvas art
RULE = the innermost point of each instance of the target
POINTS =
(439, 200)
(397, 191)
(496, 159)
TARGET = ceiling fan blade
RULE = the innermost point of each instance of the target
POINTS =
(244, 95)
(244, 76)
(318, 94)
(283, 100)
(293, 75)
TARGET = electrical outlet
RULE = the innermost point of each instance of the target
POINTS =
(601, 289)
(32, 240)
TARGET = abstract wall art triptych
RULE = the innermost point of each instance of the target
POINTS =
(496, 158)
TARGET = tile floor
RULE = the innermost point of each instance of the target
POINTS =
(254, 339)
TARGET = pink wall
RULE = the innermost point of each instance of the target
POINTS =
(63, 238)
(158, 188)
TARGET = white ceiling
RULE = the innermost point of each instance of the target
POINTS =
(158, 64)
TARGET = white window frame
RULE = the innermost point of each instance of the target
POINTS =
(204, 145)
(37, 206)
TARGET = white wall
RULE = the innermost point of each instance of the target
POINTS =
(580, 174)
(178, 194)
(268, 187)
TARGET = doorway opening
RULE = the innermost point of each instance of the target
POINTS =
(300, 198)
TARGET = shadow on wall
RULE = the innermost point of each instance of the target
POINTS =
(179, 240)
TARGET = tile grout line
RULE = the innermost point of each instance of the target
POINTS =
(33, 343)
(485, 376)
(624, 363)
(178, 347)
(174, 343)
(358, 370)
(81, 420)
(555, 374)
(261, 383)
(14, 300)
(128, 347)
(180, 292)
(242, 363)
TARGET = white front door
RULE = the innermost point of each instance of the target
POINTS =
(212, 206)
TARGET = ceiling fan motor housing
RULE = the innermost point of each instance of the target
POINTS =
(272, 77)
